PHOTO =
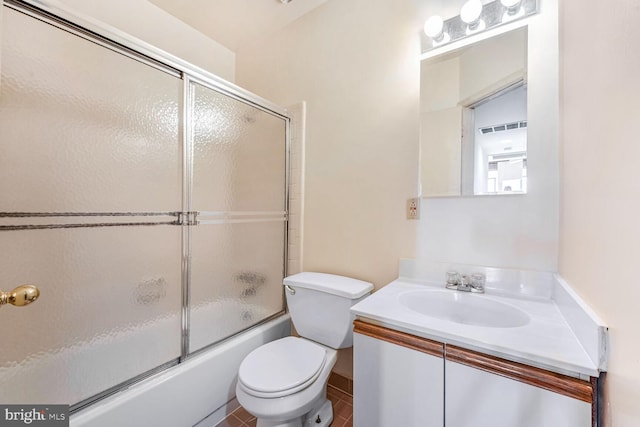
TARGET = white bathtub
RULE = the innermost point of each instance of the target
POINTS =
(186, 394)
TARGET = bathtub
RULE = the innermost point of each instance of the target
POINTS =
(195, 392)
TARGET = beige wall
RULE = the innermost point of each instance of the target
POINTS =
(161, 30)
(355, 63)
(600, 235)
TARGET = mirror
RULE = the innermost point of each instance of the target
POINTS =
(473, 119)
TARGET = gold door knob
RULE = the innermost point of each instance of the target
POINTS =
(22, 295)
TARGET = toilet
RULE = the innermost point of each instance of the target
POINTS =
(284, 383)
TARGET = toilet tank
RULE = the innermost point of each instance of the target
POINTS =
(320, 304)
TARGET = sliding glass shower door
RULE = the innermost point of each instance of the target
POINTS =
(239, 173)
(128, 191)
(80, 144)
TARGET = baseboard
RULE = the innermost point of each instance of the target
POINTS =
(341, 383)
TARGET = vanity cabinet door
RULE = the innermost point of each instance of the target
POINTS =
(395, 385)
(476, 398)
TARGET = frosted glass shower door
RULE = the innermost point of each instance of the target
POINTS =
(238, 246)
(90, 178)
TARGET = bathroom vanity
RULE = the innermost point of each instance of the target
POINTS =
(494, 360)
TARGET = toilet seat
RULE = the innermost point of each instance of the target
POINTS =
(281, 367)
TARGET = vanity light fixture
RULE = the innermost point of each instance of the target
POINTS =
(475, 18)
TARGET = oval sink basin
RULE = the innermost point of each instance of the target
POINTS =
(467, 309)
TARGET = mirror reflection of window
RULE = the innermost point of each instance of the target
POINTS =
(499, 141)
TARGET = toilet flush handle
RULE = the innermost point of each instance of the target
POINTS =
(290, 289)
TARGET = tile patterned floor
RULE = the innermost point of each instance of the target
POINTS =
(238, 418)
(342, 407)
(342, 412)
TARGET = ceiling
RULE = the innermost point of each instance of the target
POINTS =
(235, 23)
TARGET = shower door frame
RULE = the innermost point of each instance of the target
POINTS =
(111, 38)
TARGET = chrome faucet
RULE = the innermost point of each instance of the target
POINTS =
(464, 283)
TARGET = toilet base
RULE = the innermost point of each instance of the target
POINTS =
(320, 416)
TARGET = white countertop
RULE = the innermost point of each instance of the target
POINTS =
(547, 341)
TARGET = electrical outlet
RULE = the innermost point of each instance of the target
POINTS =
(413, 208)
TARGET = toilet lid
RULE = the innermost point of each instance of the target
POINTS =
(281, 367)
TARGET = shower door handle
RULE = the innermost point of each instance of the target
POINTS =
(22, 295)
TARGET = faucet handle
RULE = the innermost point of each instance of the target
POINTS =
(478, 281)
(453, 279)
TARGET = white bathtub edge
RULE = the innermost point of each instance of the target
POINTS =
(220, 414)
(186, 394)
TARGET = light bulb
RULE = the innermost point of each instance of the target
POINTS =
(471, 11)
(470, 14)
(510, 3)
(514, 10)
(433, 27)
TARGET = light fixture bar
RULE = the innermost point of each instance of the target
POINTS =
(491, 15)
